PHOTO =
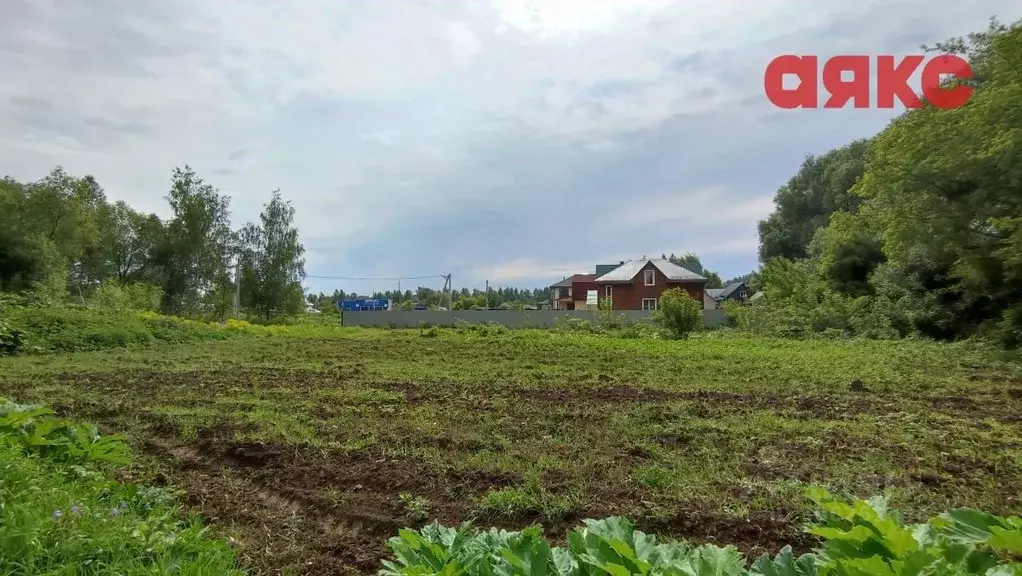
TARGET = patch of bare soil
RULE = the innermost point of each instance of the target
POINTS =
(214, 379)
(330, 513)
(761, 532)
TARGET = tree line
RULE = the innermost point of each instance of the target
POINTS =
(63, 241)
(917, 230)
(507, 297)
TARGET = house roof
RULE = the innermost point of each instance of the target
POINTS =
(730, 289)
(714, 292)
(627, 271)
(566, 283)
(602, 269)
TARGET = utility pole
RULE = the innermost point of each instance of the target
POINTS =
(449, 288)
(237, 287)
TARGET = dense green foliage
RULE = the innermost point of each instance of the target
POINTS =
(76, 329)
(60, 514)
(915, 231)
(858, 538)
(63, 241)
(42, 329)
(678, 313)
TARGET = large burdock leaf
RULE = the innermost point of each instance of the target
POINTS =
(785, 564)
(970, 526)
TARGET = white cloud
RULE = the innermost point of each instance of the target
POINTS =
(385, 121)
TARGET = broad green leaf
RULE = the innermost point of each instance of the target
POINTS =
(1006, 539)
(785, 564)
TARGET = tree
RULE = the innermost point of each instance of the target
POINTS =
(678, 312)
(131, 240)
(850, 250)
(917, 230)
(271, 261)
(821, 187)
(197, 244)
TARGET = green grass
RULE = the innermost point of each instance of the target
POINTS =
(699, 439)
(60, 519)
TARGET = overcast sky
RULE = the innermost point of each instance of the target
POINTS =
(517, 141)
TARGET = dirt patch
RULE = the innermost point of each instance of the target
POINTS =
(718, 396)
(603, 395)
(413, 393)
(955, 402)
(278, 500)
(211, 380)
(757, 533)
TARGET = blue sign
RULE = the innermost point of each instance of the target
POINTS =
(363, 304)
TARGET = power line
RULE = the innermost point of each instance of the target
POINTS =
(378, 278)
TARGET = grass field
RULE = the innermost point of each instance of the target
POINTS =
(310, 452)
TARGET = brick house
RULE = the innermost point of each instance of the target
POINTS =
(637, 284)
(570, 293)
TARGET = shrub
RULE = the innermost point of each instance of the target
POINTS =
(76, 329)
(131, 296)
(576, 325)
(678, 313)
(10, 339)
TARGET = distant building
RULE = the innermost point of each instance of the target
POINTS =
(736, 292)
(570, 293)
(638, 284)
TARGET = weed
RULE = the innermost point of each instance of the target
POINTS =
(62, 515)
(655, 477)
(416, 507)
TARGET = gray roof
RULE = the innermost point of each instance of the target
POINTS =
(730, 289)
(602, 269)
(628, 270)
(563, 283)
(714, 292)
(567, 282)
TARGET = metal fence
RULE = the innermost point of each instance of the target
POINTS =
(509, 318)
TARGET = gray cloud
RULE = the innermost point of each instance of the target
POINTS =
(499, 139)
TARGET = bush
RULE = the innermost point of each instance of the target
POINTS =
(10, 339)
(131, 296)
(76, 329)
(577, 325)
(678, 313)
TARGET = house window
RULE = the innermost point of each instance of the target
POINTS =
(569, 293)
(650, 276)
(742, 294)
(649, 303)
(557, 293)
(609, 292)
